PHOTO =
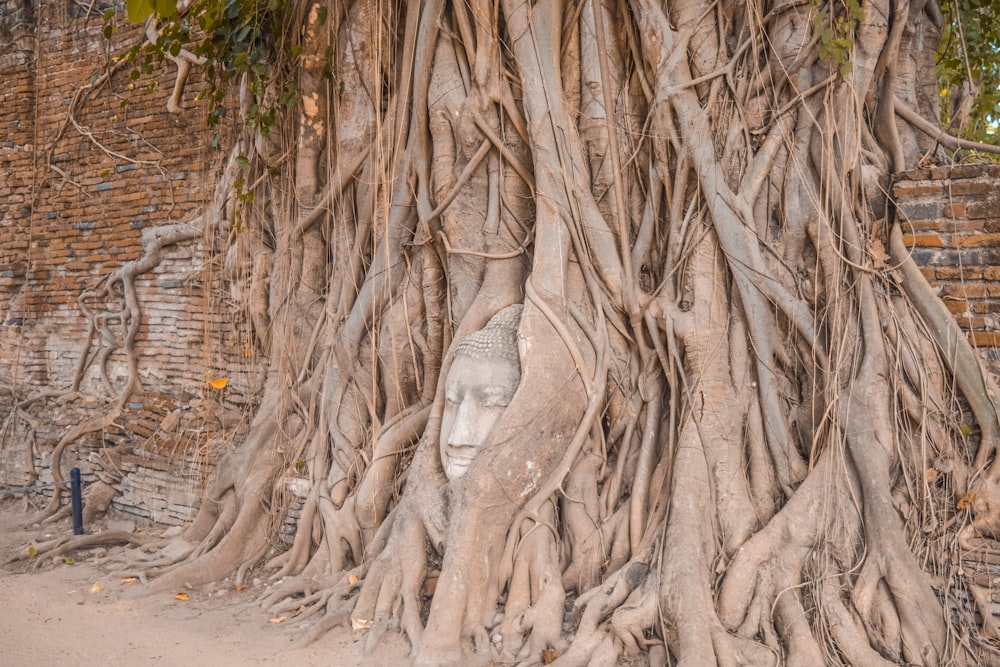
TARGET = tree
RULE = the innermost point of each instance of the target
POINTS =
(969, 70)
(736, 434)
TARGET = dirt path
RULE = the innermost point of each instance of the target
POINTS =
(57, 614)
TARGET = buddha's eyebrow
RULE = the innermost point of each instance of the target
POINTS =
(494, 391)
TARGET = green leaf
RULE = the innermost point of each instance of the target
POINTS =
(321, 13)
(139, 10)
(242, 161)
(165, 8)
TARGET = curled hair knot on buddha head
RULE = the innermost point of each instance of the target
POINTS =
(496, 340)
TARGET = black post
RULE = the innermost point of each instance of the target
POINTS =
(74, 476)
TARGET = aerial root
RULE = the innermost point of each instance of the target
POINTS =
(534, 609)
(595, 606)
(66, 545)
(629, 621)
(846, 629)
(393, 583)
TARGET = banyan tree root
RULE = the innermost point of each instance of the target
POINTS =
(723, 425)
(70, 544)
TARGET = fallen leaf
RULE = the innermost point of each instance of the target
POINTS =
(96, 588)
(550, 655)
(965, 501)
(32, 552)
(182, 596)
(130, 580)
(219, 384)
(352, 580)
(360, 623)
(240, 587)
(68, 560)
(931, 475)
(278, 619)
(879, 255)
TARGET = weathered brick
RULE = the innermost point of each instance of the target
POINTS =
(974, 323)
(923, 240)
(971, 187)
(985, 338)
(920, 211)
(911, 190)
(963, 291)
(976, 240)
(987, 209)
(956, 305)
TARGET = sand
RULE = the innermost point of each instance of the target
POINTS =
(76, 612)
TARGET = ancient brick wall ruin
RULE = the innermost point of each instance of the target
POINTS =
(951, 222)
(86, 166)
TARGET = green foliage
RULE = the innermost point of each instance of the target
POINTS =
(140, 10)
(970, 52)
(237, 39)
(835, 23)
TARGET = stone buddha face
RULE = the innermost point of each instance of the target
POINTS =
(480, 385)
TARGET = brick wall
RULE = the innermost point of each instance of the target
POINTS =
(951, 222)
(17, 89)
(81, 176)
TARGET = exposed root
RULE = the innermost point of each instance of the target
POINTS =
(730, 434)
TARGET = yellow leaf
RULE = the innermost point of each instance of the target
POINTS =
(360, 623)
(181, 595)
(68, 560)
(278, 619)
(130, 580)
(352, 580)
(549, 655)
(965, 501)
(219, 384)
(32, 552)
(96, 588)
(240, 587)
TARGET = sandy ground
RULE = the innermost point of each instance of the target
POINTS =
(75, 613)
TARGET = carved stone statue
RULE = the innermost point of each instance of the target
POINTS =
(480, 385)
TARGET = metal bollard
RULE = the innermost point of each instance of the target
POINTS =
(77, 496)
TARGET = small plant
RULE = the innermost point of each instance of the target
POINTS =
(237, 40)
(836, 33)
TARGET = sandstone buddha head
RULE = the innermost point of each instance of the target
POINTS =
(483, 378)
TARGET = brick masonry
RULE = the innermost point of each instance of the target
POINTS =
(76, 192)
(951, 222)
(74, 200)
